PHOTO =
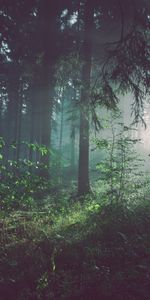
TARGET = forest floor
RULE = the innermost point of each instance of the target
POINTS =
(77, 251)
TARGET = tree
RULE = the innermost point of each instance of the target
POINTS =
(123, 65)
(83, 175)
(111, 40)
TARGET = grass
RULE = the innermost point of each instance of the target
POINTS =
(78, 251)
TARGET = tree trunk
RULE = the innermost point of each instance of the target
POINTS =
(61, 123)
(18, 124)
(32, 116)
(73, 137)
(1, 116)
(46, 116)
(47, 37)
(12, 114)
(72, 162)
(83, 173)
(35, 118)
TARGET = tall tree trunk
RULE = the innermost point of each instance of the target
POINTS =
(32, 116)
(61, 123)
(83, 173)
(48, 51)
(73, 136)
(18, 124)
(72, 162)
(46, 116)
(35, 118)
(1, 101)
(12, 114)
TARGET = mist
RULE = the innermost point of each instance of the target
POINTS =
(74, 150)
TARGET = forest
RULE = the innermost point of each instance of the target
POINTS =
(74, 150)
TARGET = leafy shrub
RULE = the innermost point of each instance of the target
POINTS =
(22, 186)
(122, 177)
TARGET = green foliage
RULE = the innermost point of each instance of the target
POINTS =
(88, 251)
(42, 149)
(59, 248)
(20, 188)
(121, 172)
(22, 185)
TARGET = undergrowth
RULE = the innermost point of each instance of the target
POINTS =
(54, 246)
(87, 251)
